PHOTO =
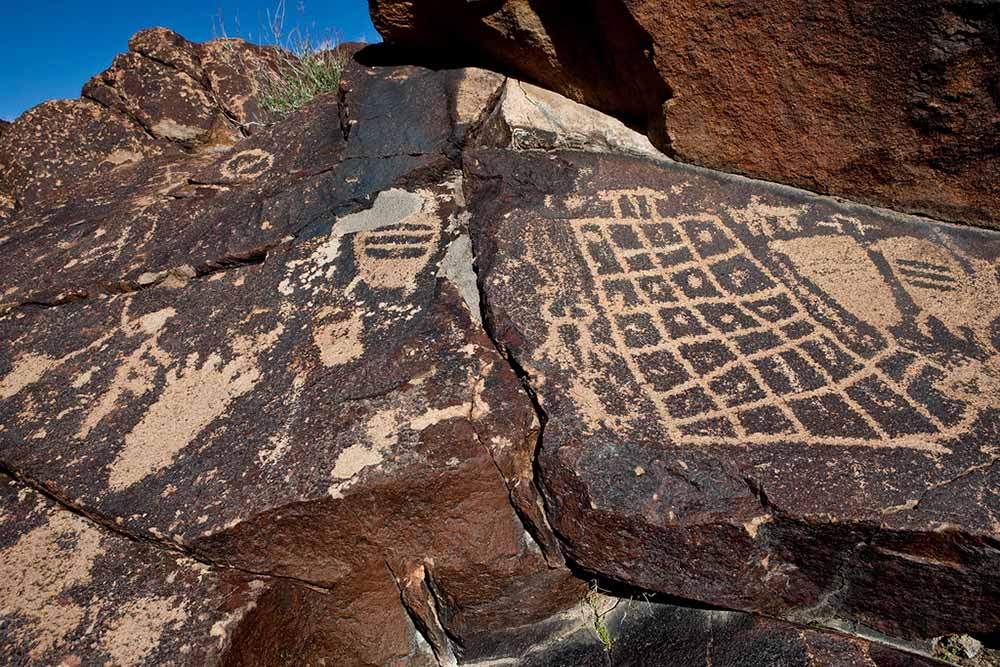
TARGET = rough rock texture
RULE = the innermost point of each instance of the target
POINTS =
(527, 117)
(164, 97)
(259, 379)
(58, 145)
(643, 632)
(263, 358)
(195, 95)
(148, 218)
(756, 397)
(75, 593)
(895, 103)
(681, 636)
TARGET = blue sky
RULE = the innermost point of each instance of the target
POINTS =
(49, 48)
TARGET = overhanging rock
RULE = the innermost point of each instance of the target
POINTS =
(891, 102)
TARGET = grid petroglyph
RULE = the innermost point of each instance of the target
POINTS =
(764, 324)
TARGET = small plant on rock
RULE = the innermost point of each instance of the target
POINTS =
(302, 68)
(305, 68)
(302, 74)
(598, 602)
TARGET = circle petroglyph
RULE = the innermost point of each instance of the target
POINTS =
(247, 165)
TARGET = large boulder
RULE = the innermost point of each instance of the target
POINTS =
(270, 359)
(199, 96)
(892, 102)
(256, 416)
(755, 397)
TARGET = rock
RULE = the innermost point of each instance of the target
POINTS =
(7, 201)
(164, 95)
(964, 646)
(755, 397)
(647, 633)
(271, 360)
(61, 144)
(76, 593)
(230, 70)
(786, 92)
(527, 117)
(212, 211)
(163, 85)
(640, 631)
(267, 364)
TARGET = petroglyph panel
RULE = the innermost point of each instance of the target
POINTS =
(135, 397)
(338, 389)
(758, 323)
(756, 397)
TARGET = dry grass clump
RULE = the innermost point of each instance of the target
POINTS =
(303, 67)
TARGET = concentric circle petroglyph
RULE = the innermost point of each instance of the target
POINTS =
(247, 165)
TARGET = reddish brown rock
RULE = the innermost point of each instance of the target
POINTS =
(292, 379)
(333, 414)
(75, 593)
(229, 69)
(894, 103)
(165, 94)
(756, 398)
(7, 201)
(60, 144)
(176, 216)
(268, 359)
(169, 104)
(199, 96)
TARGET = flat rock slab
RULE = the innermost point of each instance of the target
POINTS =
(74, 593)
(756, 397)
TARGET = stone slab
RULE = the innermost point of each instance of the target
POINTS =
(75, 593)
(755, 397)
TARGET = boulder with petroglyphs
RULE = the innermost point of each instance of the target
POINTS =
(444, 368)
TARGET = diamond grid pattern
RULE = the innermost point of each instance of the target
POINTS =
(723, 347)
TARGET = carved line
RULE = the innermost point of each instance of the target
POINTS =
(868, 367)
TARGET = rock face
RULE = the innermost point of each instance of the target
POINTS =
(251, 411)
(642, 632)
(195, 95)
(756, 398)
(894, 103)
(75, 593)
(263, 358)
(165, 96)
